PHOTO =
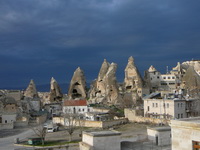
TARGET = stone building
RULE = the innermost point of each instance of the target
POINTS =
(77, 89)
(100, 140)
(170, 106)
(8, 110)
(162, 82)
(160, 135)
(185, 134)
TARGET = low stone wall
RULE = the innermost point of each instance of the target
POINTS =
(130, 114)
(95, 124)
(20, 123)
(107, 124)
(6, 126)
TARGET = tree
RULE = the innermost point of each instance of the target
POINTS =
(71, 121)
(41, 132)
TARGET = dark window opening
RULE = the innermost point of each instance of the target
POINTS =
(128, 87)
(76, 83)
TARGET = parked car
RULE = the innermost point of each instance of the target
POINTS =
(52, 128)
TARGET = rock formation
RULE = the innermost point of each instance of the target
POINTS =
(191, 82)
(31, 90)
(133, 80)
(77, 89)
(55, 91)
(105, 89)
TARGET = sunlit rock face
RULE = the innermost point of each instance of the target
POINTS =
(191, 82)
(77, 89)
(105, 88)
(31, 90)
(55, 91)
(133, 80)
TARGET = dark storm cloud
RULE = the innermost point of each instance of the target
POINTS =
(44, 38)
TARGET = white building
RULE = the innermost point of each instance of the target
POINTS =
(186, 134)
(170, 107)
(160, 135)
(76, 106)
(101, 140)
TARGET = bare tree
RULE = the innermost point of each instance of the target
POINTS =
(71, 122)
(41, 132)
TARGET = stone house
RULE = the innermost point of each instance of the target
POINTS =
(185, 134)
(8, 110)
(100, 140)
(171, 107)
(160, 135)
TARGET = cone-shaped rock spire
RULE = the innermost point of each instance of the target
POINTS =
(133, 79)
(55, 91)
(105, 88)
(31, 90)
(77, 89)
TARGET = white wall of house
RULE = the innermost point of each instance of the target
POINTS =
(9, 118)
(160, 135)
(174, 108)
(76, 109)
(102, 140)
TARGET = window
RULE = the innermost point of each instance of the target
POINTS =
(178, 105)
(178, 116)
(5, 121)
(196, 145)
(167, 105)
(171, 83)
(83, 110)
(181, 115)
(158, 77)
(156, 104)
(153, 104)
(164, 77)
(173, 77)
(169, 77)
(181, 104)
(148, 108)
(164, 105)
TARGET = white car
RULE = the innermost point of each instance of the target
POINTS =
(52, 128)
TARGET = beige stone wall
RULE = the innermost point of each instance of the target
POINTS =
(21, 123)
(185, 131)
(95, 124)
(130, 114)
(6, 126)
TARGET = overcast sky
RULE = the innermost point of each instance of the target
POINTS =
(40, 39)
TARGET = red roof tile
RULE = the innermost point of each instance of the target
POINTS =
(75, 103)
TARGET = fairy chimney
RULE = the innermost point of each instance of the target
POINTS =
(77, 88)
(31, 90)
(133, 80)
(55, 91)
